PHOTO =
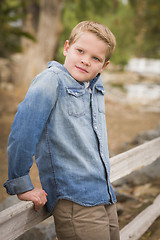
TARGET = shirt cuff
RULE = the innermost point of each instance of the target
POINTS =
(18, 185)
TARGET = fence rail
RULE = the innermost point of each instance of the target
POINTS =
(21, 217)
(140, 224)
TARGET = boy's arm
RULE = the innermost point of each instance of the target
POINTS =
(26, 131)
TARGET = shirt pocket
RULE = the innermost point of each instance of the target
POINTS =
(100, 98)
(75, 100)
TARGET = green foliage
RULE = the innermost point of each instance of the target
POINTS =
(147, 24)
(117, 16)
(121, 24)
(11, 17)
(136, 25)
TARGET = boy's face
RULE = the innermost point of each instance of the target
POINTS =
(85, 58)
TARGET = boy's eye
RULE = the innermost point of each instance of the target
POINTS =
(79, 50)
(97, 59)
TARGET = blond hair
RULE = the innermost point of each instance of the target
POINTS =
(101, 31)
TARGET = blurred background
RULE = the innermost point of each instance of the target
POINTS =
(33, 32)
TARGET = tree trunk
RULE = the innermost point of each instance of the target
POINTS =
(36, 54)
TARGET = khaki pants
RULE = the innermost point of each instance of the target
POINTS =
(76, 222)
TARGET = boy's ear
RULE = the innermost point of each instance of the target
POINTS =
(104, 66)
(66, 47)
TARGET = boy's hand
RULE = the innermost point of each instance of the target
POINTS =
(37, 196)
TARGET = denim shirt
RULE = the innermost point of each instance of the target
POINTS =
(63, 125)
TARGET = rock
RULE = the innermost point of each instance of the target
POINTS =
(144, 66)
(10, 201)
(43, 231)
(146, 136)
(6, 86)
(5, 66)
(123, 197)
(141, 176)
(145, 189)
(146, 174)
(140, 139)
(120, 208)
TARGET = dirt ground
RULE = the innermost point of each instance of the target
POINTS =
(123, 123)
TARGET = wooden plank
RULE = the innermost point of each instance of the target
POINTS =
(136, 158)
(19, 218)
(136, 228)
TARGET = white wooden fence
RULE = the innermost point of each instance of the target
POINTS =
(21, 217)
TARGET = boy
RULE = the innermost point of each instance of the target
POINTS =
(62, 123)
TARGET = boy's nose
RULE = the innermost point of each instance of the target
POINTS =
(86, 62)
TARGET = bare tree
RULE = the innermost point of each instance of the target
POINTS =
(44, 23)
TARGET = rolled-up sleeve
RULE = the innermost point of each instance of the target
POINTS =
(28, 125)
(18, 185)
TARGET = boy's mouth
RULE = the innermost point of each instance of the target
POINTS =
(82, 69)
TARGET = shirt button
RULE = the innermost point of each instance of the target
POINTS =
(95, 128)
(102, 155)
